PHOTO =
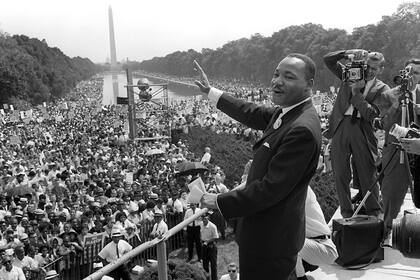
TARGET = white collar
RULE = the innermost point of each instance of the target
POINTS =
(278, 122)
(287, 109)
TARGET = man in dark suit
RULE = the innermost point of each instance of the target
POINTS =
(271, 206)
(397, 178)
(351, 129)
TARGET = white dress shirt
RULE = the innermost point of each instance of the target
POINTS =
(208, 232)
(109, 252)
(189, 213)
(160, 229)
(315, 221)
(15, 274)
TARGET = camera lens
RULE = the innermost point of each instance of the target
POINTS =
(406, 235)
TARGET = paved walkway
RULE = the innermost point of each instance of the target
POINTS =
(394, 267)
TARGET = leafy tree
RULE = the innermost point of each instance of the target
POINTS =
(254, 59)
(31, 71)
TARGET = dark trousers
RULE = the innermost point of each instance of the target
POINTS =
(258, 267)
(121, 272)
(193, 238)
(210, 257)
(349, 140)
(396, 181)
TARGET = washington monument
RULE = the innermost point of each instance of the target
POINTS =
(112, 40)
(114, 67)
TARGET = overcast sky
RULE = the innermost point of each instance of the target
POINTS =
(148, 28)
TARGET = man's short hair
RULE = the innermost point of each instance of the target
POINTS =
(310, 67)
(232, 264)
(415, 61)
(377, 56)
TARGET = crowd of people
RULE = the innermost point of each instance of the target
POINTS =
(68, 169)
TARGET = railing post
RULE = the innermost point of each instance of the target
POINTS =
(162, 262)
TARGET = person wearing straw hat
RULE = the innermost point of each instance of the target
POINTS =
(113, 251)
(52, 275)
(160, 227)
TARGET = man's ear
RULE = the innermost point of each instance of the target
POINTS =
(310, 84)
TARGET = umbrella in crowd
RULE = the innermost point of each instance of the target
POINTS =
(20, 191)
(190, 168)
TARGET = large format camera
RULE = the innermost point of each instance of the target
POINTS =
(404, 79)
(355, 70)
(405, 132)
(406, 234)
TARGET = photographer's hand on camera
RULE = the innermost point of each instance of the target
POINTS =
(356, 87)
(357, 54)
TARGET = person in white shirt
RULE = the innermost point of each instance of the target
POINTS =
(209, 235)
(113, 251)
(216, 217)
(218, 187)
(207, 156)
(22, 261)
(184, 200)
(160, 227)
(10, 272)
(174, 205)
(318, 248)
(193, 233)
(232, 274)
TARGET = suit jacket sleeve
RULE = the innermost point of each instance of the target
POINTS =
(332, 59)
(367, 110)
(285, 170)
(248, 113)
(389, 108)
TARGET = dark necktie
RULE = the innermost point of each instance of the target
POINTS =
(118, 254)
(410, 108)
(355, 111)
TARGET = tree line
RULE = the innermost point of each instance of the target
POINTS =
(31, 72)
(254, 59)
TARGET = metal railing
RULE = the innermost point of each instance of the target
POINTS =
(160, 243)
(78, 265)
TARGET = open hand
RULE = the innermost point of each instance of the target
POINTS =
(203, 84)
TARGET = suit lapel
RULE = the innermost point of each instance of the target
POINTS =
(269, 129)
(286, 119)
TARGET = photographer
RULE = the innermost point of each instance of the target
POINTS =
(397, 177)
(351, 124)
